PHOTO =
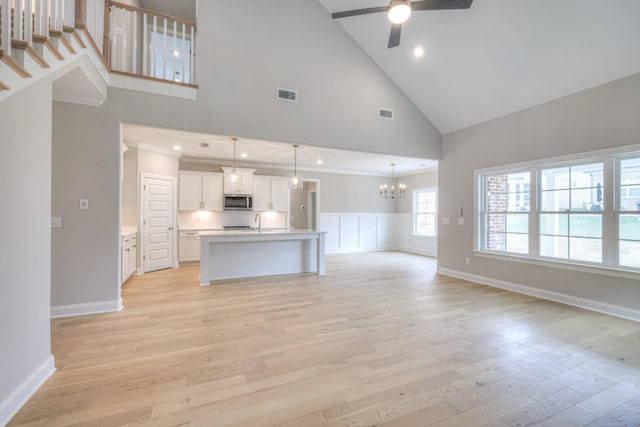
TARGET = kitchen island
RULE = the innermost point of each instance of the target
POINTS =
(250, 253)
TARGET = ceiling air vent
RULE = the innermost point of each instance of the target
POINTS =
(204, 145)
(288, 94)
(386, 113)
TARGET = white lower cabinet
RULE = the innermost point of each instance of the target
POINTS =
(129, 256)
(188, 246)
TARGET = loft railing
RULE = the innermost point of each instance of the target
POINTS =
(150, 44)
(45, 15)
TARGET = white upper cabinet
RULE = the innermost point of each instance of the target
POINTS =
(243, 183)
(200, 190)
(212, 192)
(280, 194)
(261, 193)
(270, 193)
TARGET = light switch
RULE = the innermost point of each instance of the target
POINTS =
(445, 221)
(84, 204)
(460, 221)
(56, 222)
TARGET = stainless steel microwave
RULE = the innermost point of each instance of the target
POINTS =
(234, 202)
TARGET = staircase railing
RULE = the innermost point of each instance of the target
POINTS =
(46, 15)
(150, 44)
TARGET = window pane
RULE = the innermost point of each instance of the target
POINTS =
(554, 246)
(518, 191)
(496, 223)
(555, 179)
(496, 202)
(518, 223)
(585, 225)
(630, 228)
(557, 224)
(630, 171)
(518, 243)
(495, 241)
(586, 200)
(555, 201)
(630, 197)
(431, 197)
(629, 254)
(585, 176)
(585, 249)
(430, 207)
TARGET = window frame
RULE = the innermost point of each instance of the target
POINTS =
(610, 214)
(415, 213)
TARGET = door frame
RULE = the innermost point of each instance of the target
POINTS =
(174, 231)
(317, 191)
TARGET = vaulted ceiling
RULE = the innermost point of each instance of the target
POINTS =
(500, 56)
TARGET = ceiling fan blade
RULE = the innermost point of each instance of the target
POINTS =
(440, 4)
(347, 13)
(394, 36)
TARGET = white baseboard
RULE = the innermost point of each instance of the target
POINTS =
(357, 250)
(86, 308)
(593, 305)
(10, 406)
(417, 251)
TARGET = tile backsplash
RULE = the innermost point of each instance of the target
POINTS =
(190, 220)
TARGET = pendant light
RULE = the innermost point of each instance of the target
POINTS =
(233, 176)
(296, 180)
(393, 192)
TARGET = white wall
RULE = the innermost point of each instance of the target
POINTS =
(130, 188)
(25, 245)
(598, 118)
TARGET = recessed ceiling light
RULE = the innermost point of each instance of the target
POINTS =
(418, 52)
(319, 162)
(244, 155)
(177, 147)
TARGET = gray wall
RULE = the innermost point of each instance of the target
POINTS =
(602, 117)
(86, 164)
(419, 180)
(25, 230)
(246, 49)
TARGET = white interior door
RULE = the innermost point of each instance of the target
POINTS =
(157, 224)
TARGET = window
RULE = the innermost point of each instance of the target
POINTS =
(506, 212)
(425, 212)
(571, 203)
(628, 213)
(582, 211)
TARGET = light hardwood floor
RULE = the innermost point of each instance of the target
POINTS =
(380, 340)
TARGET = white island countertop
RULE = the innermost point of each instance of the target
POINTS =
(248, 253)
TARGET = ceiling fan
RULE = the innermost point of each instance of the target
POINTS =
(398, 12)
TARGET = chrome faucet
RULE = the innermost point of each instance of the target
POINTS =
(259, 219)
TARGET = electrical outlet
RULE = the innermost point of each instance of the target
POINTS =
(84, 204)
(56, 222)
(460, 221)
(467, 260)
(445, 221)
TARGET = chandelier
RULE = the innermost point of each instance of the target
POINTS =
(296, 180)
(393, 192)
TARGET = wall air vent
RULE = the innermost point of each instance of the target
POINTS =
(288, 94)
(385, 113)
(204, 145)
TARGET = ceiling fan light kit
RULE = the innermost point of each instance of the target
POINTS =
(399, 11)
